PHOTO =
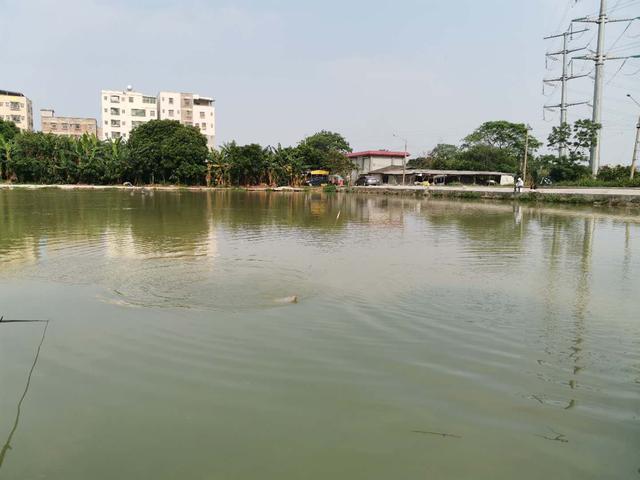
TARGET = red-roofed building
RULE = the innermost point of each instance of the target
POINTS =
(371, 160)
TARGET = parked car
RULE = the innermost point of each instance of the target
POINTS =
(317, 181)
(368, 181)
(317, 178)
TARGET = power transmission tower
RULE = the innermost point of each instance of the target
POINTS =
(600, 57)
(564, 79)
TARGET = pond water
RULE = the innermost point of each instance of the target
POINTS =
(431, 339)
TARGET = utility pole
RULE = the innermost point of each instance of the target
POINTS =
(564, 79)
(526, 155)
(600, 58)
(634, 159)
(404, 158)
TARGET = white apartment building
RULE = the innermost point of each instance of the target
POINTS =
(189, 109)
(16, 108)
(122, 111)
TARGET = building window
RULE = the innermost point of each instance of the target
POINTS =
(124, 123)
(15, 106)
(115, 111)
(201, 114)
(130, 99)
(76, 126)
(171, 113)
(115, 134)
(148, 99)
(106, 123)
(105, 98)
(54, 126)
(115, 123)
(115, 99)
(106, 110)
(65, 126)
(170, 100)
(135, 124)
(204, 125)
(138, 112)
(152, 113)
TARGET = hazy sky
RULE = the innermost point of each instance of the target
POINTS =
(282, 69)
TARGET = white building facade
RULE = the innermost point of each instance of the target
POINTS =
(122, 111)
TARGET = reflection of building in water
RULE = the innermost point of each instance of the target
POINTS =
(380, 211)
(122, 244)
(27, 252)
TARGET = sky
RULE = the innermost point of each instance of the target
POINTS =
(425, 70)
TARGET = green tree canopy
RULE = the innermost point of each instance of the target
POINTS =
(167, 151)
(326, 150)
(577, 138)
(8, 130)
(508, 137)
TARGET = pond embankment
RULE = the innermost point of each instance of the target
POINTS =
(596, 196)
(566, 195)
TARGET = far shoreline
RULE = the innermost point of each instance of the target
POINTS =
(624, 197)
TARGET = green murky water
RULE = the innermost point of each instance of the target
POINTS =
(514, 332)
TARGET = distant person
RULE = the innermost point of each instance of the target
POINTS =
(519, 185)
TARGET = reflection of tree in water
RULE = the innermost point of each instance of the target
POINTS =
(488, 228)
(577, 235)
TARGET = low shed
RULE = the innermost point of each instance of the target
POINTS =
(393, 176)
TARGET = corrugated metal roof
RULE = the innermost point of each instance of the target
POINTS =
(378, 153)
(394, 170)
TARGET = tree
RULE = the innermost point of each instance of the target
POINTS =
(167, 151)
(486, 158)
(326, 150)
(578, 140)
(508, 137)
(614, 173)
(8, 130)
(444, 156)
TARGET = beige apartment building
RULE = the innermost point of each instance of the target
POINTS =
(67, 126)
(189, 109)
(15, 107)
(122, 111)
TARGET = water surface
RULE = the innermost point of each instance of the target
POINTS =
(432, 339)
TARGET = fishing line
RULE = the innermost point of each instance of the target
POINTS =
(7, 445)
